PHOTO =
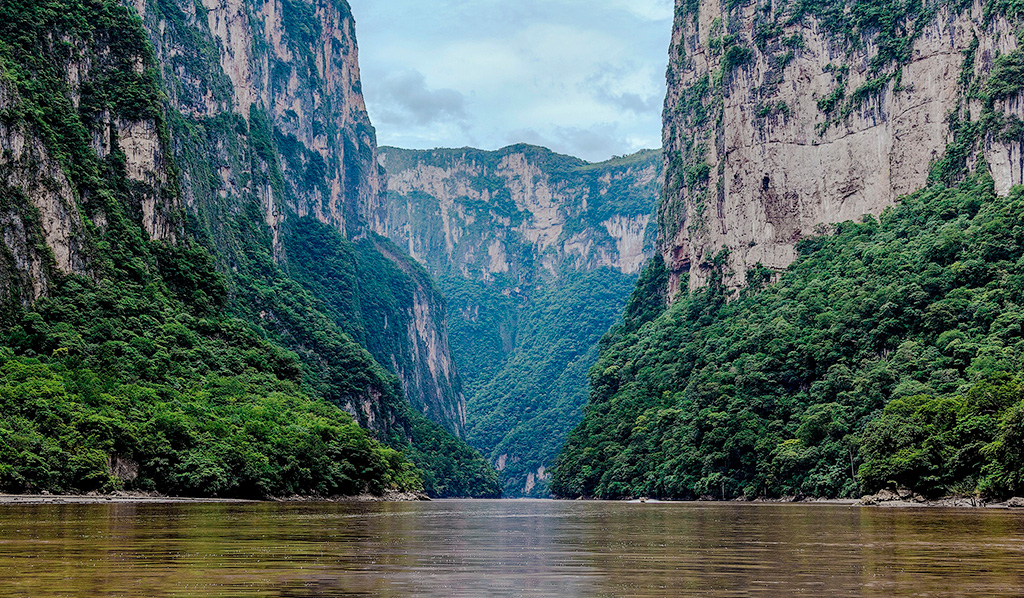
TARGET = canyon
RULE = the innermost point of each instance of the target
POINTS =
(214, 148)
(536, 254)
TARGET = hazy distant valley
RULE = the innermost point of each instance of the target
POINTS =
(536, 254)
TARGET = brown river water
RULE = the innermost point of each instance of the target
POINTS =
(507, 548)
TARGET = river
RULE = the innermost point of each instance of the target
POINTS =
(507, 548)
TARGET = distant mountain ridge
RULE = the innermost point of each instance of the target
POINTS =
(568, 212)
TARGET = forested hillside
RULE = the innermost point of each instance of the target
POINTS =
(525, 398)
(156, 334)
(888, 355)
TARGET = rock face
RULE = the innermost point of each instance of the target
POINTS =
(46, 236)
(294, 63)
(482, 214)
(272, 118)
(781, 119)
(536, 254)
(430, 378)
(27, 168)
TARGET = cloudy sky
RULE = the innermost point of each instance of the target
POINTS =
(583, 77)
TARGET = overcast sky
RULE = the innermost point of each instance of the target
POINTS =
(583, 77)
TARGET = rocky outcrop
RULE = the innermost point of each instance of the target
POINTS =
(47, 207)
(778, 121)
(481, 214)
(27, 171)
(430, 379)
(146, 163)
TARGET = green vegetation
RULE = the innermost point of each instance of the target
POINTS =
(367, 295)
(887, 355)
(193, 365)
(449, 467)
(315, 292)
(69, 430)
(1006, 80)
(736, 56)
(772, 109)
(524, 404)
(329, 292)
(966, 443)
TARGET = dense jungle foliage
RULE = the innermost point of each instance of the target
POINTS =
(888, 355)
(188, 366)
(525, 404)
(368, 297)
(65, 429)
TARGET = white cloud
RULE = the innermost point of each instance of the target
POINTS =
(578, 76)
(652, 10)
(405, 100)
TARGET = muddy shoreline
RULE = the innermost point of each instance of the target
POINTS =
(885, 500)
(143, 498)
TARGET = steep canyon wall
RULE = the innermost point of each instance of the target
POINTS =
(782, 117)
(272, 118)
(172, 170)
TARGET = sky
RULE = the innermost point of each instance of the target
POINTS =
(582, 77)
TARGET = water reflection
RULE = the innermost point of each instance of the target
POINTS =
(507, 548)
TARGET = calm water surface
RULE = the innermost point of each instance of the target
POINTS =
(507, 548)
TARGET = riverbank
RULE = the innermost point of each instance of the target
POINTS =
(905, 498)
(883, 499)
(87, 499)
(144, 498)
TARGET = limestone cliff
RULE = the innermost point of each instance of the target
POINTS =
(482, 214)
(272, 119)
(51, 166)
(431, 380)
(295, 63)
(26, 168)
(536, 253)
(783, 117)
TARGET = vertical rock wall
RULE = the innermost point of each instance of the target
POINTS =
(296, 63)
(781, 118)
(27, 170)
(272, 115)
(89, 123)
